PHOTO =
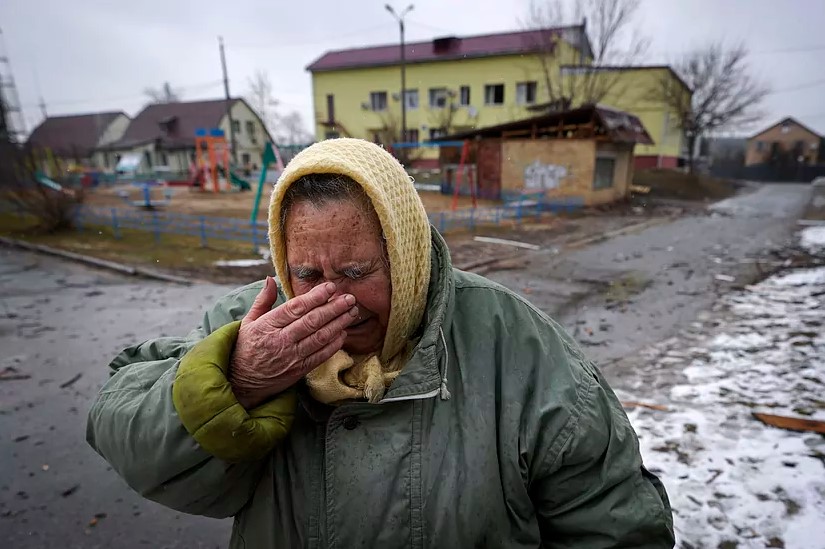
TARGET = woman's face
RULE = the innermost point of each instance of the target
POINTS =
(337, 242)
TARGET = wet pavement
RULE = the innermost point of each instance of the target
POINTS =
(61, 323)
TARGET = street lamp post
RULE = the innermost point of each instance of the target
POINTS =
(400, 19)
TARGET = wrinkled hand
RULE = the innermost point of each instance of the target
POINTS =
(276, 348)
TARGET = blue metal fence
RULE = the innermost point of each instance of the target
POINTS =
(207, 228)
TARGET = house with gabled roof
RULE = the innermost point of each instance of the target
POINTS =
(164, 134)
(73, 139)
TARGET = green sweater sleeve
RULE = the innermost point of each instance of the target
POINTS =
(213, 416)
(134, 425)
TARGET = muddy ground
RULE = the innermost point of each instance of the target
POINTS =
(61, 323)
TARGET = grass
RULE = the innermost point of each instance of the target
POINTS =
(178, 253)
(665, 183)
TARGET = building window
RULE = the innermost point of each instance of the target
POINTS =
(603, 175)
(438, 98)
(411, 99)
(494, 94)
(148, 156)
(786, 127)
(411, 136)
(245, 159)
(760, 146)
(236, 126)
(378, 101)
(332, 134)
(105, 160)
(526, 93)
(436, 133)
(164, 160)
(250, 128)
(464, 96)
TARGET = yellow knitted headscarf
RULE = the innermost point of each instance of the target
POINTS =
(407, 231)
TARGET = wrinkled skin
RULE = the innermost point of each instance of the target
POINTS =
(341, 281)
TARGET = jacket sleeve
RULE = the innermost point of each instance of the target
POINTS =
(592, 490)
(134, 425)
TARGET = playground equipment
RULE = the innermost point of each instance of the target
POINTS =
(269, 157)
(146, 201)
(462, 173)
(53, 185)
(212, 161)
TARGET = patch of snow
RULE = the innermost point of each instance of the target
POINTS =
(731, 478)
(813, 238)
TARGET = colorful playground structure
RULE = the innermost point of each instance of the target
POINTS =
(212, 161)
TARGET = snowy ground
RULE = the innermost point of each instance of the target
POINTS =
(734, 482)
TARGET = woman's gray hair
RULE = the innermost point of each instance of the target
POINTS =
(321, 189)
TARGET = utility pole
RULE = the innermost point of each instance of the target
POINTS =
(400, 19)
(228, 103)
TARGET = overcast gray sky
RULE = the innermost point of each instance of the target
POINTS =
(88, 55)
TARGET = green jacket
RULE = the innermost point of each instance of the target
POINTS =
(532, 449)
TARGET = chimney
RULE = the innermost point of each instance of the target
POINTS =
(445, 44)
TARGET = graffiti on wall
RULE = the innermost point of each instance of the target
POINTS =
(538, 176)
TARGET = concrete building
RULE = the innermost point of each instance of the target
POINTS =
(584, 153)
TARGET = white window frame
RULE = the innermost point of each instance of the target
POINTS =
(437, 95)
(411, 99)
(464, 101)
(375, 101)
(489, 94)
(522, 92)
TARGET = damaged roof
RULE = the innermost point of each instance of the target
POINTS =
(589, 121)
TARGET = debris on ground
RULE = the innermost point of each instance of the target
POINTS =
(506, 242)
(731, 479)
(68, 383)
(10, 373)
(792, 423)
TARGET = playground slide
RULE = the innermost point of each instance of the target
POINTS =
(236, 180)
(43, 180)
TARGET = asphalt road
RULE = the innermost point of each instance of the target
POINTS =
(661, 277)
(59, 321)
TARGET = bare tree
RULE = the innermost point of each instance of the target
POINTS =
(291, 130)
(262, 99)
(608, 27)
(164, 94)
(725, 93)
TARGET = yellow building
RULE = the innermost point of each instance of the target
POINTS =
(638, 90)
(458, 84)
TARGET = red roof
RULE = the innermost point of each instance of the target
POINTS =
(181, 119)
(443, 49)
(73, 135)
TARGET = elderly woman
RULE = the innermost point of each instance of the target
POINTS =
(373, 396)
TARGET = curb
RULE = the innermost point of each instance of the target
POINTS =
(620, 232)
(94, 261)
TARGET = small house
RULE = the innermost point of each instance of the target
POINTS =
(584, 153)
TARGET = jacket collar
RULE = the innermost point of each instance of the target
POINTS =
(421, 376)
